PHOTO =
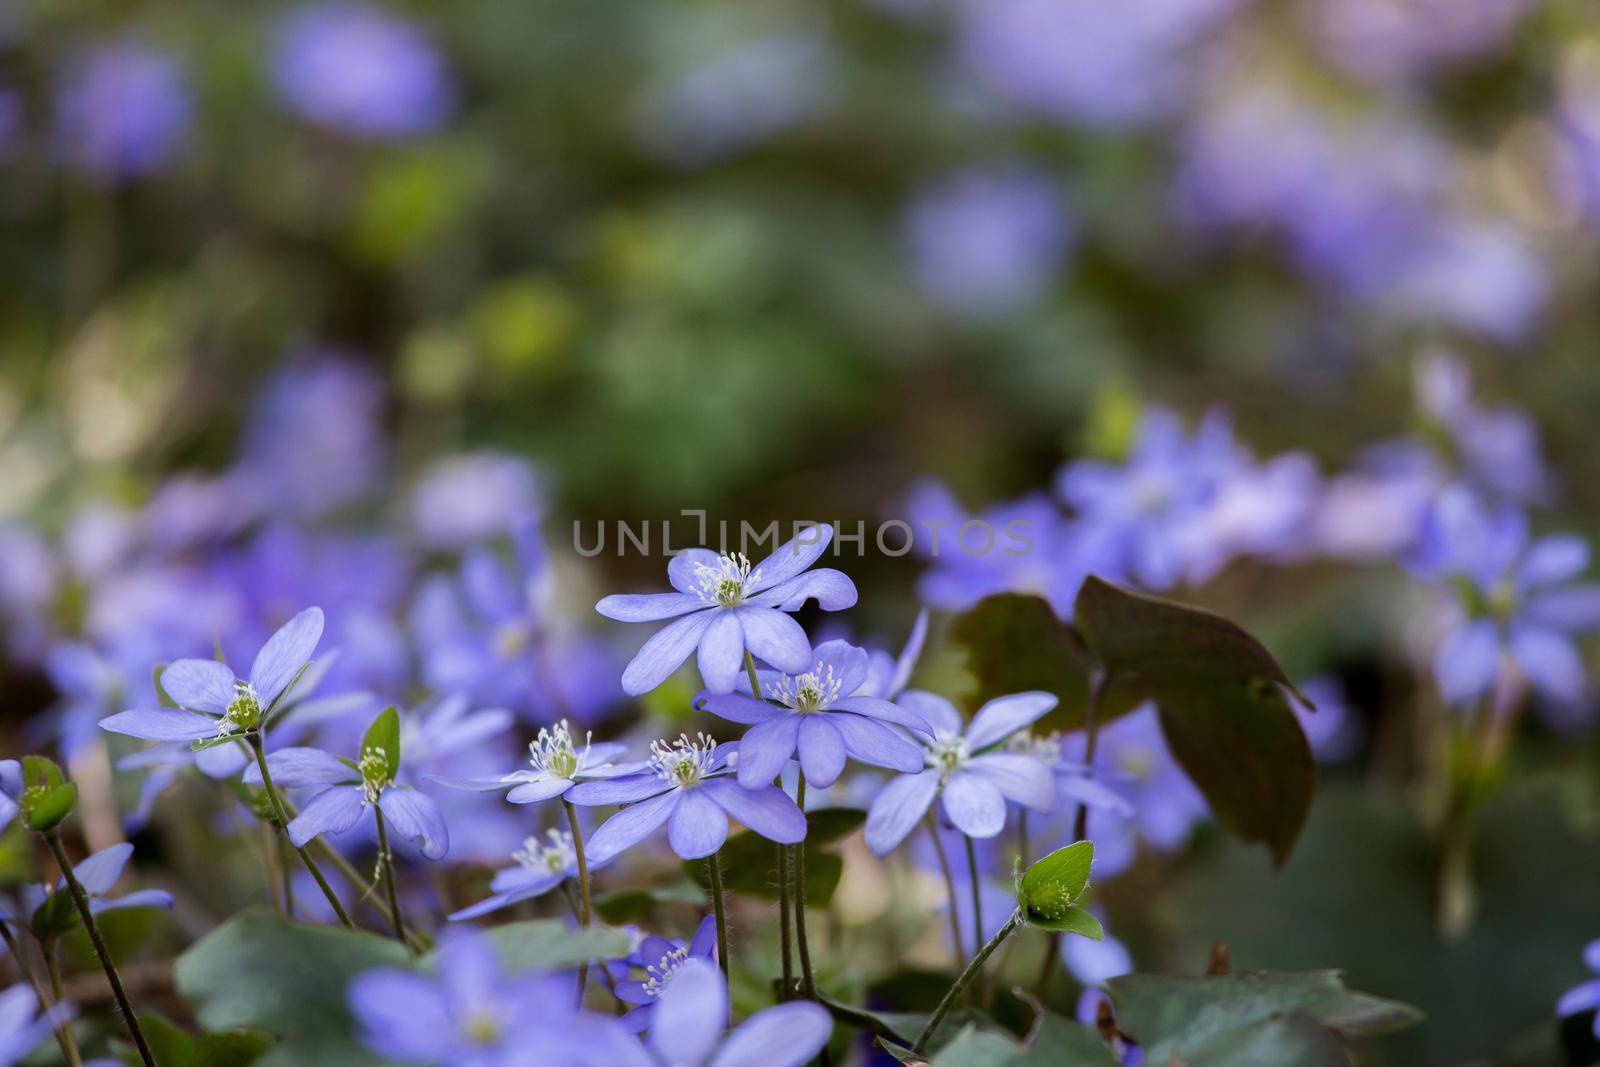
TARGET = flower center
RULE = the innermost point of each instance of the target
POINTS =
(724, 581)
(482, 1028)
(553, 752)
(684, 762)
(510, 639)
(555, 857)
(659, 974)
(374, 768)
(1045, 748)
(244, 711)
(814, 691)
(948, 754)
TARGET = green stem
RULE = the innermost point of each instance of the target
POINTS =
(949, 889)
(69, 1043)
(755, 681)
(586, 915)
(386, 869)
(977, 892)
(807, 977)
(64, 1038)
(353, 876)
(283, 821)
(719, 907)
(784, 914)
(1091, 738)
(81, 899)
(966, 977)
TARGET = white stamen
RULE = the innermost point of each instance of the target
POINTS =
(1046, 748)
(684, 762)
(244, 711)
(553, 752)
(948, 754)
(555, 857)
(724, 581)
(813, 691)
(374, 768)
(659, 974)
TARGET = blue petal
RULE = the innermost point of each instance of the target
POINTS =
(332, 811)
(690, 1015)
(698, 826)
(786, 1035)
(821, 750)
(791, 557)
(897, 808)
(199, 684)
(414, 817)
(285, 652)
(664, 653)
(161, 724)
(648, 607)
(631, 825)
(1467, 662)
(721, 658)
(768, 810)
(974, 805)
(1004, 716)
(765, 748)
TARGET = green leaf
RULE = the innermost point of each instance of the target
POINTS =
(901, 1053)
(1222, 705)
(260, 972)
(384, 736)
(55, 917)
(47, 797)
(232, 1048)
(633, 905)
(1058, 1042)
(1015, 642)
(904, 1026)
(1078, 921)
(547, 944)
(978, 1048)
(171, 1044)
(1244, 1020)
(1052, 884)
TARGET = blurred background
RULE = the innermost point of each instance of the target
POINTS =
(309, 303)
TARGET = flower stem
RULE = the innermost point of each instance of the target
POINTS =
(807, 977)
(966, 977)
(949, 888)
(1091, 740)
(69, 1043)
(750, 670)
(283, 821)
(784, 914)
(585, 916)
(64, 1038)
(719, 907)
(81, 899)
(977, 892)
(386, 869)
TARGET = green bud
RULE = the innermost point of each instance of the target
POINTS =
(47, 797)
(1049, 891)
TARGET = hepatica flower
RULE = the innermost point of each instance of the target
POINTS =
(1586, 995)
(970, 772)
(660, 959)
(723, 606)
(472, 1014)
(1516, 599)
(98, 874)
(687, 1029)
(22, 1029)
(690, 787)
(213, 704)
(122, 111)
(348, 789)
(540, 867)
(820, 715)
(555, 765)
(11, 786)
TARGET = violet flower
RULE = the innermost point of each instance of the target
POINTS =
(555, 765)
(1586, 995)
(541, 866)
(22, 1028)
(969, 772)
(687, 1029)
(724, 606)
(887, 675)
(690, 786)
(821, 715)
(660, 959)
(215, 704)
(11, 786)
(98, 874)
(347, 790)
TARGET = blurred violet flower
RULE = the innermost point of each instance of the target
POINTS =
(1332, 730)
(687, 1027)
(985, 241)
(1497, 449)
(660, 959)
(22, 1028)
(1083, 62)
(88, 687)
(1394, 44)
(888, 675)
(1515, 599)
(555, 766)
(465, 500)
(1076, 783)
(28, 581)
(1586, 995)
(98, 874)
(363, 71)
(315, 441)
(122, 111)
(738, 98)
(691, 788)
(540, 867)
(471, 1013)
(213, 702)
(821, 715)
(1133, 753)
(1094, 963)
(11, 785)
(724, 606)
(1024, 546)
(969, 771)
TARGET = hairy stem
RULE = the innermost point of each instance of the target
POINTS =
(283, 821)
(81, 899)
(976, 886)
(808, 977)
(1091, 739)
(750, 670)
(949, 889)
(719, 907)
(966, 977)
(386, 870)
(64, 1035)
(785, 912)
(586, 915)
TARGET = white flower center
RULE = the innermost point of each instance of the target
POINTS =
(553, 752)
(374, 768)
(555, 857)
(814, 691)
(659, 974)
(244, 711)
(482, 1028)
(724, 581)
(1046, 748)
(948, 754)
(684, 762)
